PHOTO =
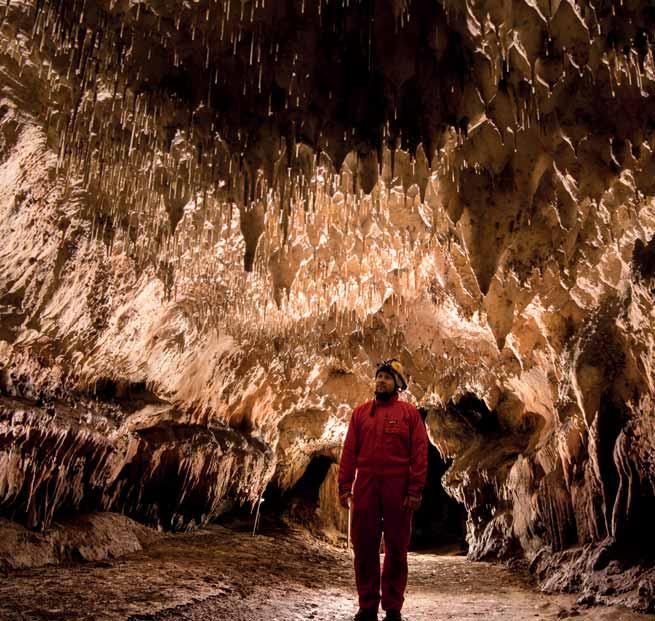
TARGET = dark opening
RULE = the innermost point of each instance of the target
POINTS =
(298, 504)
(131, 395)
(609, 422)
(301, 501)
(438, 526)
(643, 259)
(440, 522)
(475, 410)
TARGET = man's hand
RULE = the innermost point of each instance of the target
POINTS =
(344, 500)
(412, 502)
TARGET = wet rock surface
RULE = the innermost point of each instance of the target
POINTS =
(220, 574)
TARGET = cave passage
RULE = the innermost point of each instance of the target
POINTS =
(440, 522)
(301, 502)
(439, 525)
(298, 505)
(216, 216)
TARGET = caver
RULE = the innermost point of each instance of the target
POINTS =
(381, 478)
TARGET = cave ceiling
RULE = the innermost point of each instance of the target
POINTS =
(299, 113)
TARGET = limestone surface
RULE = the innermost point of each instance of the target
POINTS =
(217, 217)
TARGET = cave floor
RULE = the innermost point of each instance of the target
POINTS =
(217, 574)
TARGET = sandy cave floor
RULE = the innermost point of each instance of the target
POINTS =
(217, 574)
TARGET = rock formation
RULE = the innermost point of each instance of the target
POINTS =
(217, 216)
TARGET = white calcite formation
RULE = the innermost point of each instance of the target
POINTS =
(218, 216)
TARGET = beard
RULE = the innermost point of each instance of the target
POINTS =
(384, 396)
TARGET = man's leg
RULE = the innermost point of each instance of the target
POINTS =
(397, 531)
(366, 530)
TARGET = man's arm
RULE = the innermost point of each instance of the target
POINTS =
(348, 462)
(418, 460)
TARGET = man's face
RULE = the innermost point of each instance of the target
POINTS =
(384, 383)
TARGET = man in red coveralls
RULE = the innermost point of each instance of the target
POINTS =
(386, 446)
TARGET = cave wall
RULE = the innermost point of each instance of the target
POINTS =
(193, 294)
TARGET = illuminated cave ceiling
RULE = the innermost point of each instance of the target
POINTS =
(217, 217)
(156, 104)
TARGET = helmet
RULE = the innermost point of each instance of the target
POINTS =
(396, 369)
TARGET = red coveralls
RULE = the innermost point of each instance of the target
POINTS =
(387, 446)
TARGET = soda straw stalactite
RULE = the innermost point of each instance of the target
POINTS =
(179, 120)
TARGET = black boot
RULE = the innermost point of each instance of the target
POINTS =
(393, 615)
(367, 614)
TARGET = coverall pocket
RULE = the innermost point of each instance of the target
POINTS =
(396, 434)
(395, 427)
